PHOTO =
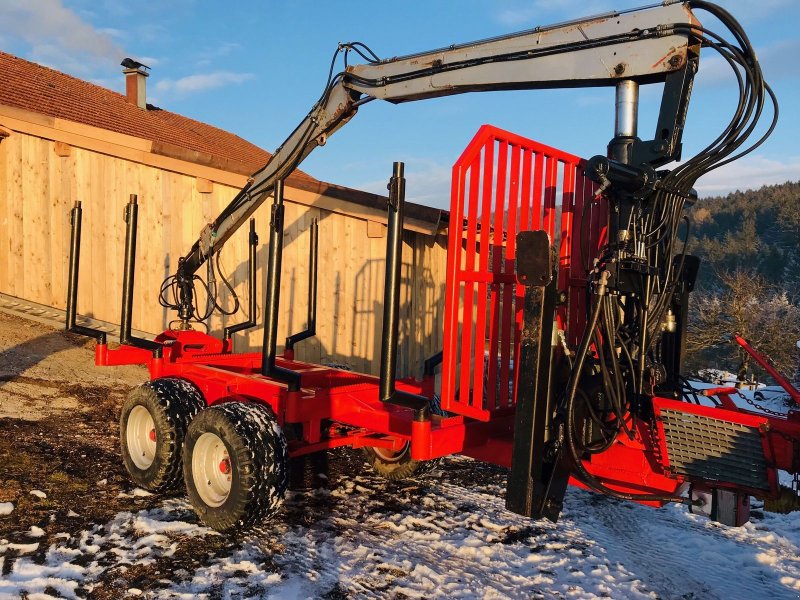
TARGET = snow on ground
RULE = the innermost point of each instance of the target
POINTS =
(765, 398)
(447, 536)
(6, 508)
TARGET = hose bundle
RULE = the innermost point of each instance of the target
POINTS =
(624, 347)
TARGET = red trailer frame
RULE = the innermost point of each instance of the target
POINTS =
(503, 184)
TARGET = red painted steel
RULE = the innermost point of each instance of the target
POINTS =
(504, 183)
(764, 361)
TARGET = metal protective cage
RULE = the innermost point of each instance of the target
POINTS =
(502, 184)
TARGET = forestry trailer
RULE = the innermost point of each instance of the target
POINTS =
(563, 330)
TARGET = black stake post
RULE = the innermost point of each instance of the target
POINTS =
(537, 481)
(125, 337)
(272, 302)
(251, 270)
(76, 215)
(391, 302)
(311, 323)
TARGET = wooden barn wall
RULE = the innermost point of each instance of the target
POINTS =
(39, 187)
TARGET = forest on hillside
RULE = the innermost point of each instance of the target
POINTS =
(749, 281)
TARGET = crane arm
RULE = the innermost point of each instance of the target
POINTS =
(647, 45)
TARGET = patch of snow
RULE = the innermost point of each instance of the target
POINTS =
(81, 559)
(135, 493)
(445, 538)
(39, 494)
(773, 399)
(35, 531)
(6, 508)
(20, 548)
(72, 514)
(102, 482)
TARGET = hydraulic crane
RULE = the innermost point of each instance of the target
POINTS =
(594, 328)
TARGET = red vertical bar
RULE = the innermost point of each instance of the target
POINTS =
(468, 275)
(519, 296)
(497, 258)
(508, 323)
(525, 196)
(550, 196)
(568, 202)
(565, 251)
(536, 201)
(577, 268)
(598, 226)
(483, 266)
(512, 204)
(452, 303)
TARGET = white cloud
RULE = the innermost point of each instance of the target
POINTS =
(206, 57)
(150, 61)
(750, 172)
(201, 82)
(778, 61)
(117, 34)
(57, 35)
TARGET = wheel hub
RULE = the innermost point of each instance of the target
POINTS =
(141, 437)
(211, 469)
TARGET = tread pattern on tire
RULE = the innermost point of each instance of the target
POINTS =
(173, 403)
(260, 454)
(406, 468)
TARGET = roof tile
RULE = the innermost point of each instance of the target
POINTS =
(39, 89)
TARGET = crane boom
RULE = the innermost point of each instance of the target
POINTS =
(608, 405)
(647, 45)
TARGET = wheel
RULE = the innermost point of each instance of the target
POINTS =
(153, 423)
(235, 465)
(399, 465)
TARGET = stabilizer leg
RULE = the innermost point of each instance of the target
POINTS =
(537, 481)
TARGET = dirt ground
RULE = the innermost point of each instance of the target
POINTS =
(59, 458)
(58, 419)
(78, 529)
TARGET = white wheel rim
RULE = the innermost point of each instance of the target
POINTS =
(390, 456)
(141, 437)
(211, 469)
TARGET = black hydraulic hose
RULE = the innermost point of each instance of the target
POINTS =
(589, 479)
(580, 356)
(594, 483)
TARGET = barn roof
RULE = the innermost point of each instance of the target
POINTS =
(33, 87)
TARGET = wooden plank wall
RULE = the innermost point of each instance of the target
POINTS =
(38, 186)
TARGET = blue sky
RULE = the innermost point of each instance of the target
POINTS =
(255, 68)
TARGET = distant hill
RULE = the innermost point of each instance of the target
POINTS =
(754, 230)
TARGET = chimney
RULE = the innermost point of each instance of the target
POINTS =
(135, 82)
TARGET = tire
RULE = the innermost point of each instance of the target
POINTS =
(399, 465)
(235, 465)
(152, 426)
